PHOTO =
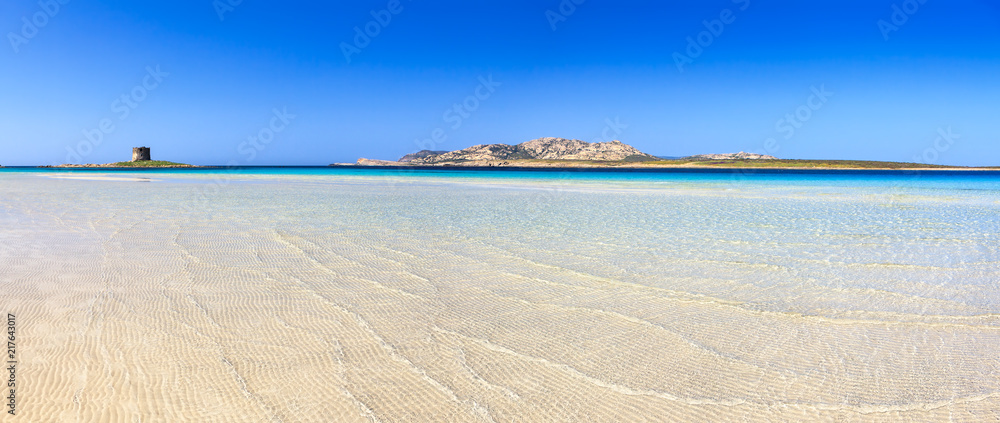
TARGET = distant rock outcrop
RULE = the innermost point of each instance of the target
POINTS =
(369, 162)
(733, 156)
(420, 155)
(539, 149)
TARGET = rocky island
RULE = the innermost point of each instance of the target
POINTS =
(561, 152)
(541, 152)
(141, 158)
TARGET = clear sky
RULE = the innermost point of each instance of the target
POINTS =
(255, 83)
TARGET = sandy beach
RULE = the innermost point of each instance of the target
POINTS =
(292, 298)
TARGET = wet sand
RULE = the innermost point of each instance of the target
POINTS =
(374, 299)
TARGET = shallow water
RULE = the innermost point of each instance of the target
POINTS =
(354, 294)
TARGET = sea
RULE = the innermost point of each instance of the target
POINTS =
(451, 294)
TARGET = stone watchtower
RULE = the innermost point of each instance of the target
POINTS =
(140, 154)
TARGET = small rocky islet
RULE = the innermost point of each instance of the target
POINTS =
(141, 159)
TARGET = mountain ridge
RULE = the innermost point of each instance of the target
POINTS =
(548, 148)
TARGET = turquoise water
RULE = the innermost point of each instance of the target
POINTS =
(977, 180)
(934, 226)
(532, 295)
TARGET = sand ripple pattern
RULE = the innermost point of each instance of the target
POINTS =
(309, 299)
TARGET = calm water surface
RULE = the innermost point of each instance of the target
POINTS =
(505, 295)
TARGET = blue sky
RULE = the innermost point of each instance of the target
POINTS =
(259, 83)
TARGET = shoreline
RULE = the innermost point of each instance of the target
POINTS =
(342, 278)
(668, 167)
(133, 164)
(96, 166)
(581, 168)
(731, 164)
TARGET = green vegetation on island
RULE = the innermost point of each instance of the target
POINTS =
(732, 164)
(149, 163)
(798, 164)
(141, 159)
(566, 153)
(144, 164)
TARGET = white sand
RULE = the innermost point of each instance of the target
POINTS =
(100, 178)
(376, 301)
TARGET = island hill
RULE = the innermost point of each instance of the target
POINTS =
(561, 152)
(141, 158)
